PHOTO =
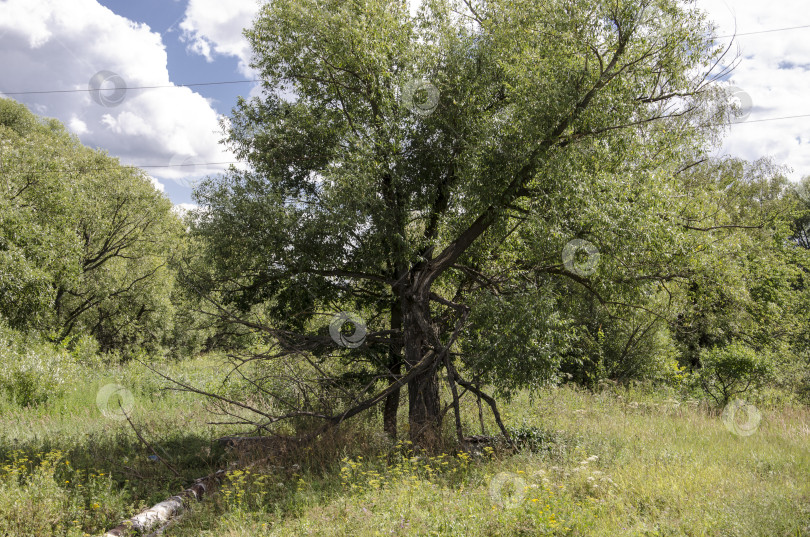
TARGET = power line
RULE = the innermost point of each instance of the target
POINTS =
(112, 166)
(206, 164)
(181, 165)
(148, 166)
(250, 81)
(764, 31)
(764, 120)
(132, 87)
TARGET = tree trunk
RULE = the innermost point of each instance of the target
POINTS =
(424, 410)
(158, 517)
(424, 405)
(395, 366)
(391, 408)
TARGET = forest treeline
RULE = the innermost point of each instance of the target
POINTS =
(92, 255)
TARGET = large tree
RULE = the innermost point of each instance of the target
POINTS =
(429, 173)
(85, 243)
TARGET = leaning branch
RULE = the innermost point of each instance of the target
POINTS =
(490, 401)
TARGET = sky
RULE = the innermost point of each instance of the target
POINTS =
(173, 131)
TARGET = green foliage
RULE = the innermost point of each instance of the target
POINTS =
(33, 371)
(531, 438)
(515, 339)
(748, 285)
(732, 370)
(26, 293)
(85, 243)
(358, 199)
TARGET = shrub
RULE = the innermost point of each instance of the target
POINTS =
(531, 438)
(732, 370)
(31, 370)
(84, 350)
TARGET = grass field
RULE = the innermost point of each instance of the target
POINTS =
(620, 462)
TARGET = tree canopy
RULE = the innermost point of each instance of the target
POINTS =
(85, 243)
(430, 173)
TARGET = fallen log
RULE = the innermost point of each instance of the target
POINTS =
(163, 513)
(154, 520)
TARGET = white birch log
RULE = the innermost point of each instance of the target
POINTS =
(168, 510)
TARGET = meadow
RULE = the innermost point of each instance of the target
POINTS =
(620, 460)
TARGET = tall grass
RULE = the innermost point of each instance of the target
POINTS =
(617, 463)
(71, 466)
(635, 461)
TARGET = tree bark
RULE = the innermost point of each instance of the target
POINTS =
(395, 366)
(391, 408)
(424, 404)
(424, 410)
(168, 510)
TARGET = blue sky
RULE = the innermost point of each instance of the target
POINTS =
(185, 66)
(63, 44)
(173, 132)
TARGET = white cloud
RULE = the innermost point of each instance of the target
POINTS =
(157, 184)
(58, 45)
(774, 71)
(209, 29)
(182, 208)
(77, 126)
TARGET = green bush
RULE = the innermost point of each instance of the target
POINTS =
(531, 438)
(22, 388)
(732, 370)
(84, 350)
(32, 371)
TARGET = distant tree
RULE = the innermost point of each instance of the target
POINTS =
(801, 225)
(748, 287)
(84, 241)
(732, 370)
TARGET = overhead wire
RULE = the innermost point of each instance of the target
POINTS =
(77, 90)
(247, 81)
